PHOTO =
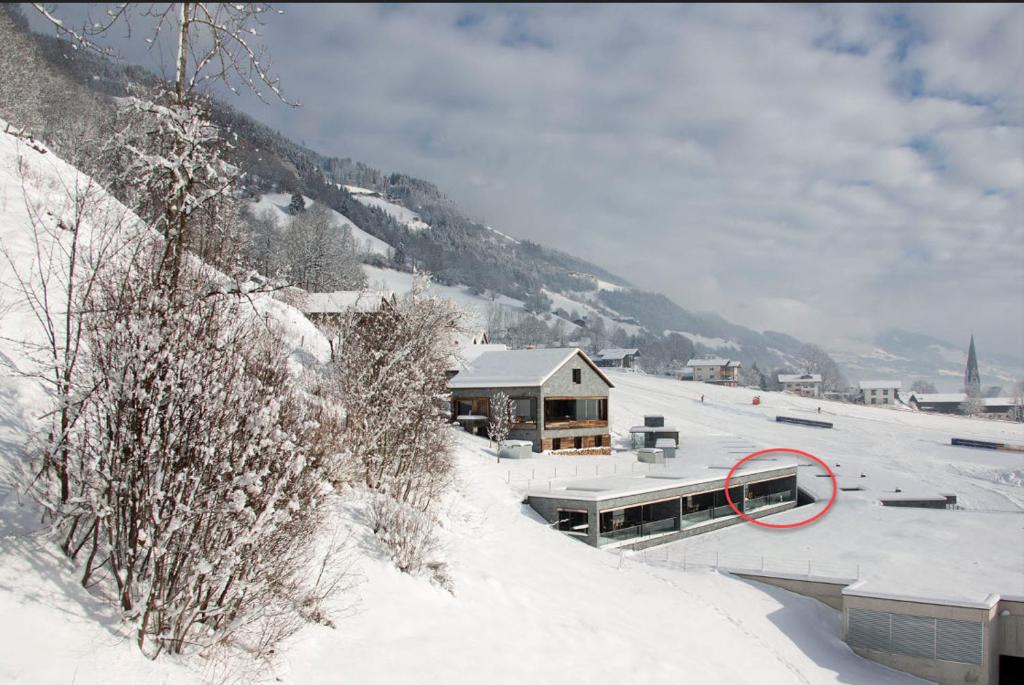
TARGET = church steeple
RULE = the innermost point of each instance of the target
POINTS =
(972, 379)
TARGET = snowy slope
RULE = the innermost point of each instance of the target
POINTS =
(278, 204)
(578, 614)
(402, 215)
(532, 605)
(477, 305)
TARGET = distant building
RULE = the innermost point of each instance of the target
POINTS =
(615, 357)
(560, 396)
(683, 374)
(716, 370)
(879, 392)
(328, 307)
(466, 348)
(1009, 408)
(803, 384)
(939, 402)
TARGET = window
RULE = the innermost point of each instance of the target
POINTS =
(577, 376)
(556, 443)
(578, 442)
(591, 410)
(573, 522)
(472, 406)
(598, 441)
(525, 409)
(567, 410)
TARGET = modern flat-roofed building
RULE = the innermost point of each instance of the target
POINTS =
(879, 392)
(659, 507)
(560, 397)
(716, 370)
(804, 384)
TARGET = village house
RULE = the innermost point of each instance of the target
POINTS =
(803, 384)
(618, 358)
(466, 348)
(939, 402)
(325, 308)
(716, 370)
(560, 397)
(879, 392)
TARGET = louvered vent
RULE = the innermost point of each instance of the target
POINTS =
(945, 639)
(961, 641)
(869, 629)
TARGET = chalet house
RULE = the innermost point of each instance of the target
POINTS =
(803, 384)
(614, 357)
(879, 392)
(716, 370)
(560, 396)
(465, 350)
(1008, 408)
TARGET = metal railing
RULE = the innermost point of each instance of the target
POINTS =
(643, 530)
(702, 560)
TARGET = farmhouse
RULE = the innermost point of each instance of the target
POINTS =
(615, 357)
(804, 384)
(1003, 408)
(324, 308)
(879, 392)
(560, 397)
(615, 511)
(940, 402)
(466, 348)
(716, 370)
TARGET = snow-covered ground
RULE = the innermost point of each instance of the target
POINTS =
(529, 604)
(402, 215)
(278, 204)
(963, 553)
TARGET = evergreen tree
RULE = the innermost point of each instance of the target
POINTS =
(297, 205)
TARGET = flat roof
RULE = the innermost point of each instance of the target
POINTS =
(612, 487)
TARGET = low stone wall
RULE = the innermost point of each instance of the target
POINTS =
(826, 590)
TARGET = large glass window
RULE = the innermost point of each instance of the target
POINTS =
(471, 406)
(587, 409)
(639, 521)
(525, 410)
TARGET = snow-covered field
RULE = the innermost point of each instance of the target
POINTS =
(278, 204)
(529, 604)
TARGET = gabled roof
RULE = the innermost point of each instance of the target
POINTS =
(616, 353)
(343, 300)
(464, 356)
(799, 378)
(714, 361)
(881, 385)
(1001, 402)
(519, 368)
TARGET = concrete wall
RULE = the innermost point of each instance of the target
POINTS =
(1011, 627)
(942, 672)
(826, 591)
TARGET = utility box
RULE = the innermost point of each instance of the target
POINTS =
(650, 455)
(654, 421)
(515, 449)
(667, 446)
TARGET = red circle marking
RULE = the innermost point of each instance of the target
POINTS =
(831, 501)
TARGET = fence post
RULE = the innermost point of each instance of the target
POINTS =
(716, 559)
(684, 558)
(533, 473)
(808, 567)
(549, 486)
(858, 571)
(615, 468)
(762, 562)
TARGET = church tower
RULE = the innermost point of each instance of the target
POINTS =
(972, 379)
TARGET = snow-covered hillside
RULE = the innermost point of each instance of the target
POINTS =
(402, 215)
(528, 603)
(277, 203)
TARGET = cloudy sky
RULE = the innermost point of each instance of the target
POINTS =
(825, 171)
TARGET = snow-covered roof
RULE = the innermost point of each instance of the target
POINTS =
(344, 300)
(881, 385)
(799, 378)
(518, 368)
(465, 355)
(616, 353)
(1000, 401)
(938, 397)
(714, 361)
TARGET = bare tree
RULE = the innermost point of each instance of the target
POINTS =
(502, 419)
(922, 386)
(814, 359)
(319, 255)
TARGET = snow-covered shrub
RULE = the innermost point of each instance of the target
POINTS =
(196, 468)
(389, 377)
(406, 533)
